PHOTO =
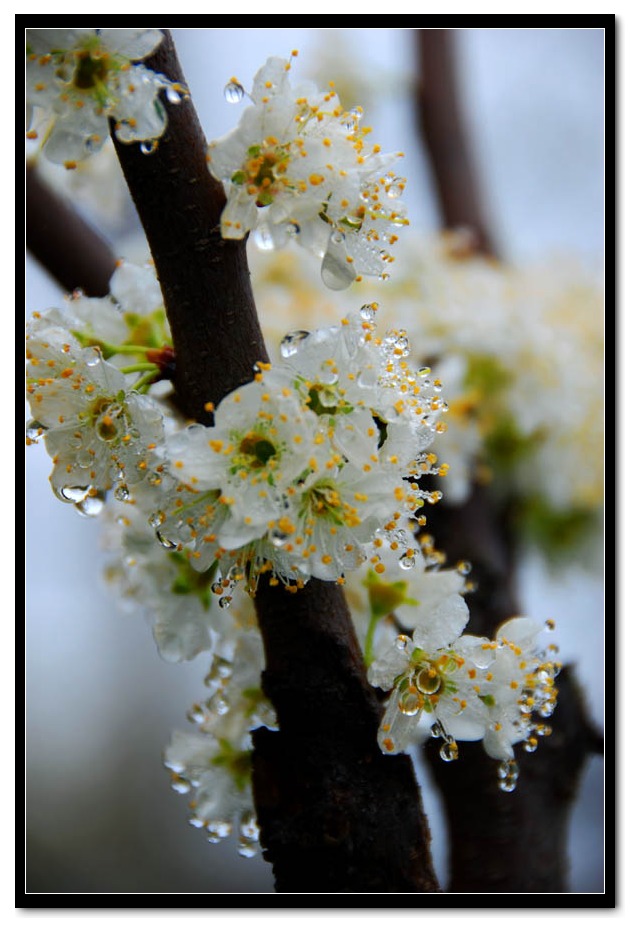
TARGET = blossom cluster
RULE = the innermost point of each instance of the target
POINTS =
(519, 351)
(313, 469)
(299, 166)
(78, 79)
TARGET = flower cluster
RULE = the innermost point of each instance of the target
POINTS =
(82, 78)
(314, 468)
(466, 688)
(213, 765)
(305, 465)
(299, 167)
(520, 354)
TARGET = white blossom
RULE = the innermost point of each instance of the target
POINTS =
(84, 77)
(298, 166)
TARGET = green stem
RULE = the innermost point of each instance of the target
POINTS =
(368, 653)
(140, 366)
(146, 380)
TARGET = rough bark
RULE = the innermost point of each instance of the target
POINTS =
(72, 251)
(321, 783)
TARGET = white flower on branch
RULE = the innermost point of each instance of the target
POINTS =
(299, 166)
(81, 78)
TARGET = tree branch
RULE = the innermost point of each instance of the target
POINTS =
(64, 243)
(442, 125)
(306, 776)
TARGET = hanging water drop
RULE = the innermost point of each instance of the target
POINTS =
(407, 562)
(220, 828)
(163, 541)
(72, 495)
(157, 519)
(449, 751)
(34, 431)
(508, 775)
(336, 272)
(121, 492)
(148, 146)
(291, 342)
(263, 237)
(225, 601)
(368, 312)
(91, 506)
(233, 92)
(173, 96)
(180, 784)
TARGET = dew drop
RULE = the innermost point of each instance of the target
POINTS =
(449, 751)
(157, 519)
(278, 538)
(173, 96)
(148, 147)
(72, 495)
(163, 541)
(263, 237)
(196, 822)
(197, 714)
(336, 272)
(225, 601)
(220, 828)
(247, 848)
(34, 430)
(91, 506)
(508, 772)
(293, 229)
(407, 562)
(368, 312)
(291, 342)
(121, 492)
(233, 92)
(92, 357)
(180, 784)
(464, 567)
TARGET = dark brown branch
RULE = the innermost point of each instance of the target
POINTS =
(307, 775)
(442, 123)
(64, 243)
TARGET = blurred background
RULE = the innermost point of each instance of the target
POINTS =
(100, 703)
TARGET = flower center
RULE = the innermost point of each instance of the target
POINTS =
(89, 72)
(257, 449)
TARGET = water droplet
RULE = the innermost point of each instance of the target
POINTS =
(92, 357)
(85, 459)
(148, 147)
(196, 822)
(197, 714)
(91, 506)
(508, 772)
(247, 848)
(401, 643)
(180, 784)
(368, 312)
(263, 237)
(278, 538)
(449, 750)
(216, 588)
(293, 229)
(72, 495)
(407, 562)
(163, 541)
(218, 705)
(225, 601)
(121, 492)
(394, 187)
(173, 96)
(336, 272)
(291, 342)
(34, 430)
(220, 828)
(157, 519)
(233, 92)
(437, 730)
(530, 744)
(409, 703)
(464, 567)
